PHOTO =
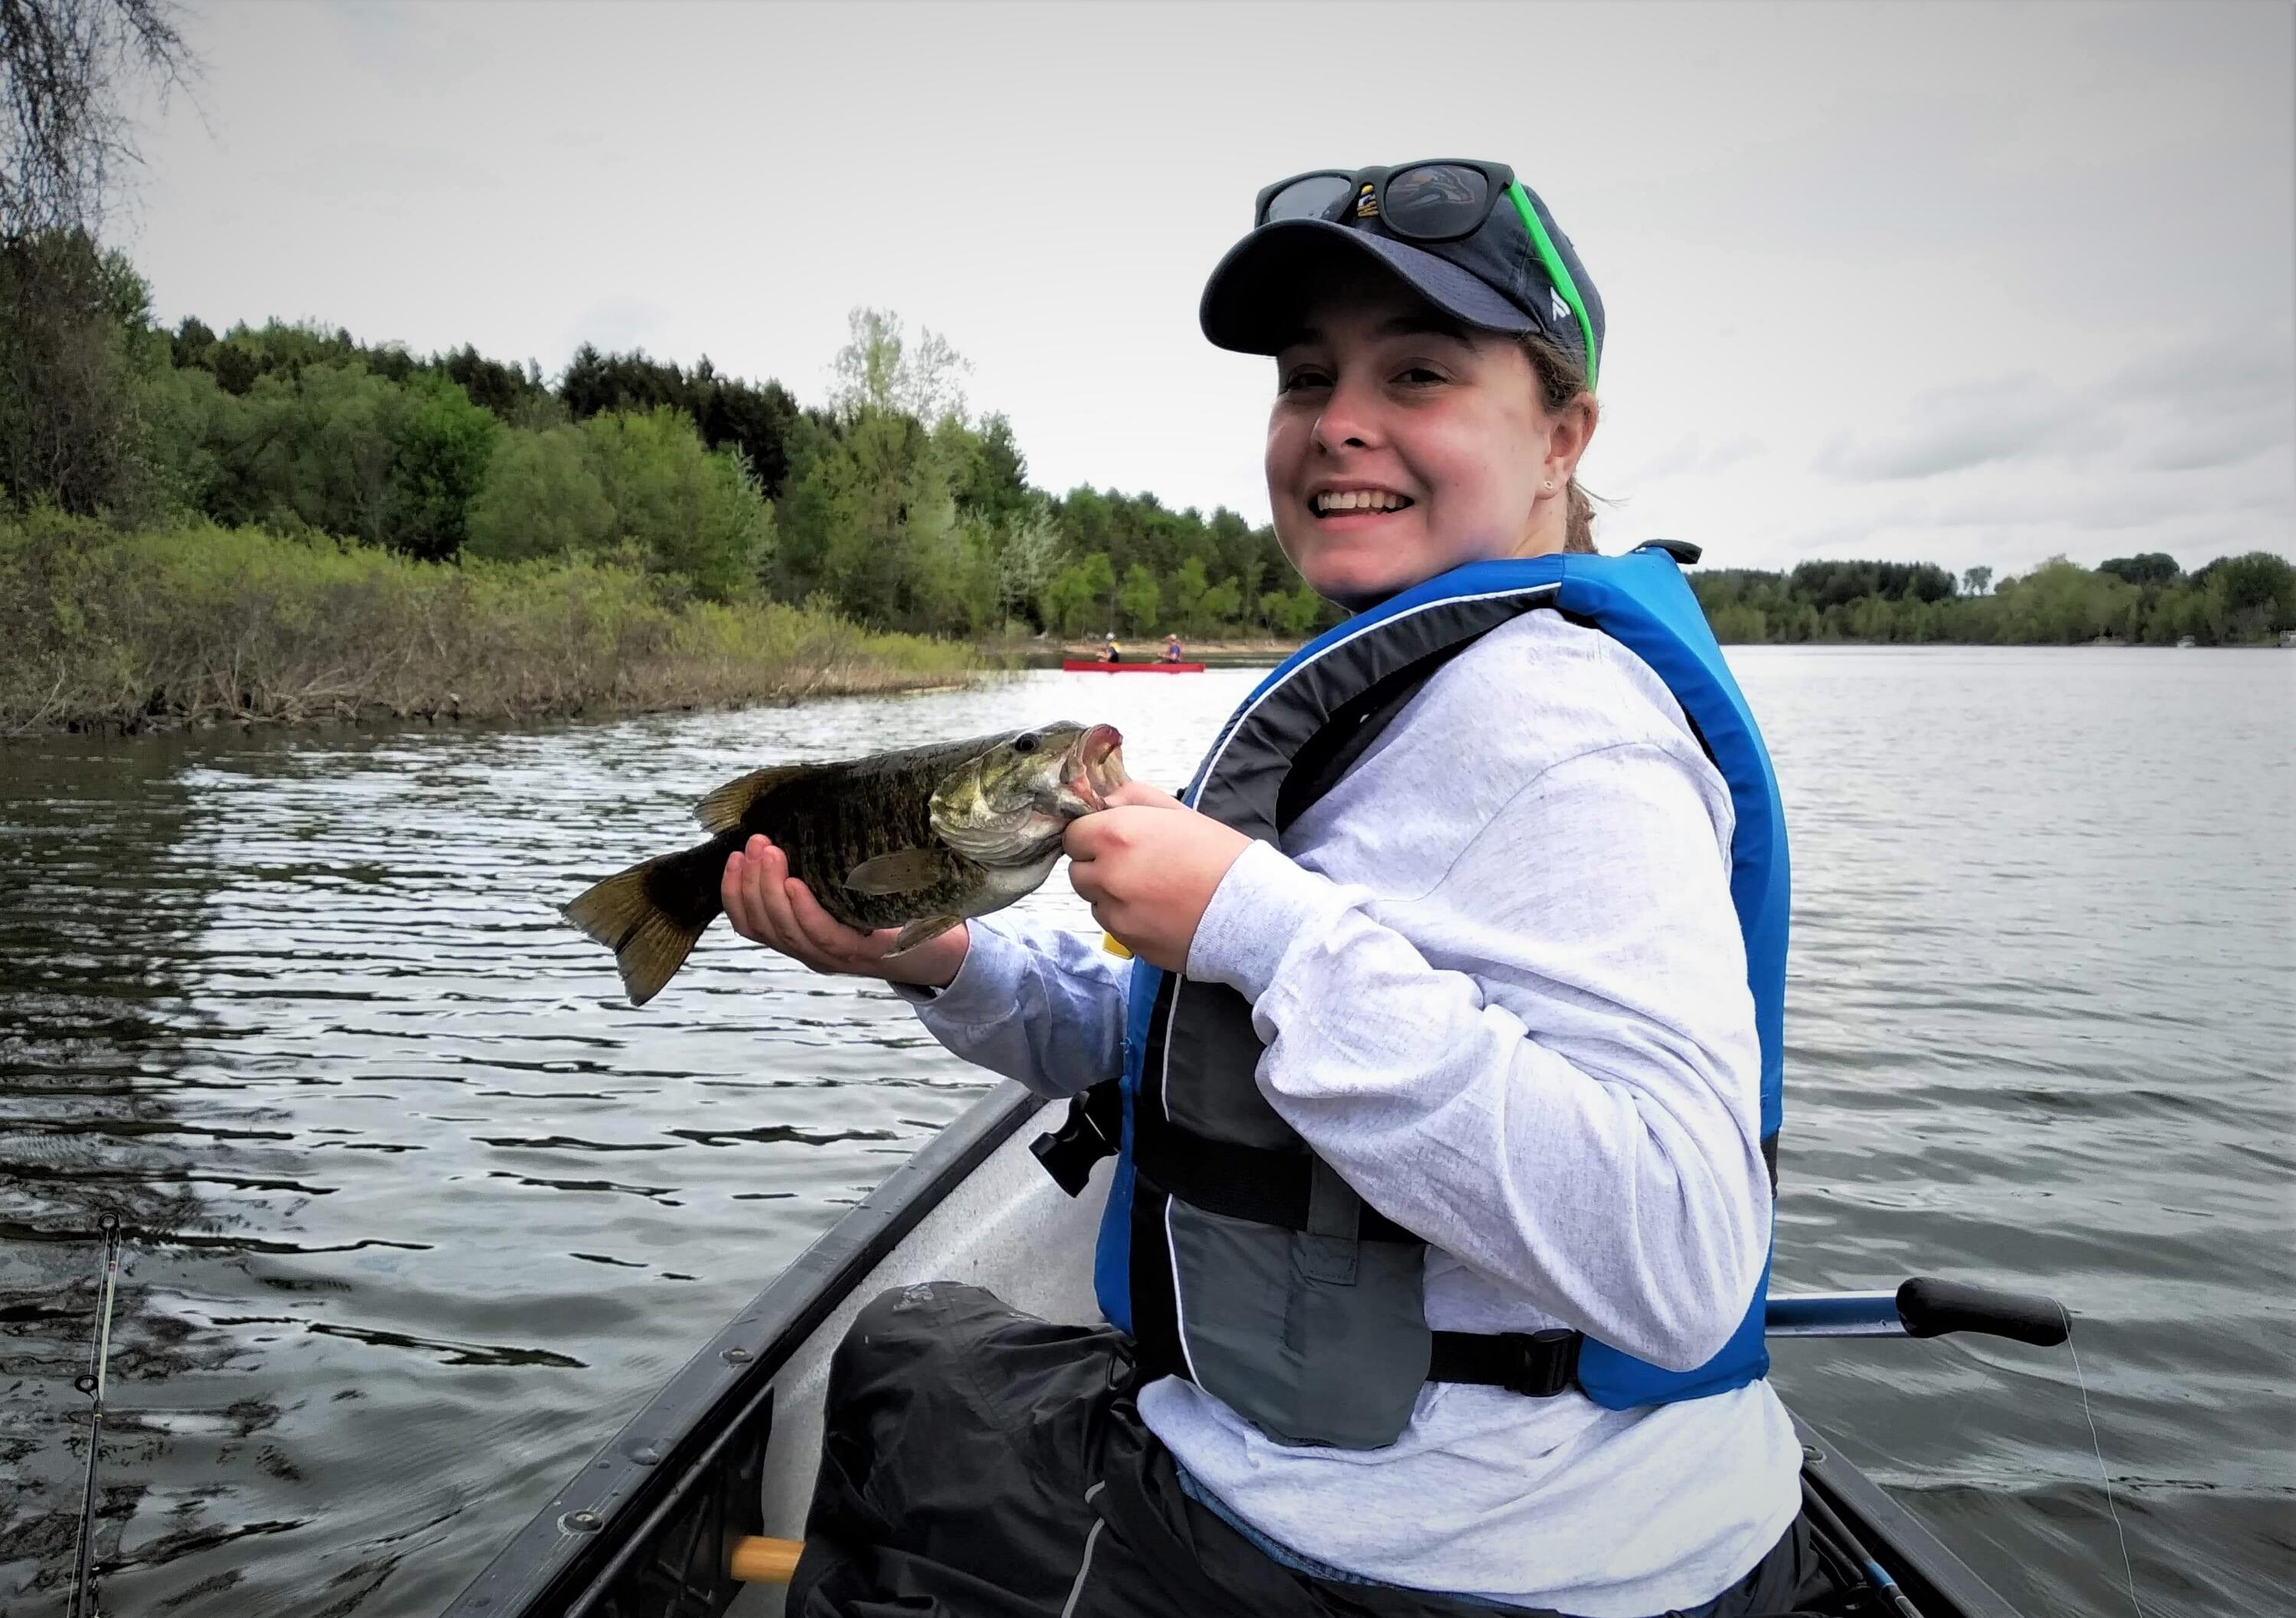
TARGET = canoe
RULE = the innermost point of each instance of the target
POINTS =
(1093, 665)
(712, 1478)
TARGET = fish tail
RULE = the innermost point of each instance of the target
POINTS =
(651, 914)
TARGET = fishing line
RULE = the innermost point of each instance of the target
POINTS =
(2127, 1570)
(92, 1384)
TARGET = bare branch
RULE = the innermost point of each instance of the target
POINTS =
(67, 69)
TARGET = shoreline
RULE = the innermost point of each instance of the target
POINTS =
(127, 634)
(380, 717)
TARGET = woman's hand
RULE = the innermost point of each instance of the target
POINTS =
(1148, 865)
(767, 906)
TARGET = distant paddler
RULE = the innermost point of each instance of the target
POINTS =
(917, 839)
(1172, 651)
(1110, 651)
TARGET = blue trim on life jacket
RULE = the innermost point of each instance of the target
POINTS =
(1111, 1254)
(1642, 601)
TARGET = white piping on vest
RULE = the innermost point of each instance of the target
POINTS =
(1179, 1310)
(1180, 979)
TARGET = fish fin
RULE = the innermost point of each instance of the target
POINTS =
(722, 809)
(625, 913)
(922, 932)
(902, 871)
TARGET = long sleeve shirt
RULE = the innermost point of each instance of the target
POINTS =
(1503, 993)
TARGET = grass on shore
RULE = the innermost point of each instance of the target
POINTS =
(105, 631)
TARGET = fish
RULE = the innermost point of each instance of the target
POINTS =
(919, 838)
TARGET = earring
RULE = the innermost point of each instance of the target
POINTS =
(1549, 486)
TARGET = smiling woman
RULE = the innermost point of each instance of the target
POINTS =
(1437, 1246)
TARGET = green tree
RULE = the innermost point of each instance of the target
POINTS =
(1070, 603)
(2151, 567)
(1290, 614)
(685, 509)
(72, 317)
(1080, 598)
(315, 448)
(1139, 601)
(540, 498)
(990, 475)
(1028, 554)
(443, 446)
(881, 369)
(1221, 604)
(1099, 577)
(1189, 587)
(1977, 580)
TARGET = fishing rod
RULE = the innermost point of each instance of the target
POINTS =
(91, 1382)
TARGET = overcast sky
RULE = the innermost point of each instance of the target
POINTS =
(1962, 283)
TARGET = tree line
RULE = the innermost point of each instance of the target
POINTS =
(889, 502)
(2146, 599)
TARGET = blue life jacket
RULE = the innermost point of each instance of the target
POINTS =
(1229, 1250)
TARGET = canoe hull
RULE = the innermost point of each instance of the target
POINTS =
(730, 1446)
(1085, 665)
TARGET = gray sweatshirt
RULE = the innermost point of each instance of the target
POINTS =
(1504, 993)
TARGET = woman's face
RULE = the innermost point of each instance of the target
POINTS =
(1402, 445)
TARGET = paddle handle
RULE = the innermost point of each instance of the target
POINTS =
(1930, 1307)
(758, 1560)
(1922, 1306)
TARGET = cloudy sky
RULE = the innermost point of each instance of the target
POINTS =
(1963, 282)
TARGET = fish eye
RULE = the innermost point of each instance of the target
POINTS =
(1024, 744)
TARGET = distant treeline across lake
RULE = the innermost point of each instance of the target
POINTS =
(2146, 599)
(284, 521)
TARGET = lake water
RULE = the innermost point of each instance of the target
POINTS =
(418, 1209)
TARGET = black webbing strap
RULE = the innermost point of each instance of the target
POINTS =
(1267, 1185)
(1537, 1365)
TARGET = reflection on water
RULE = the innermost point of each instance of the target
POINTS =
(418, 1209)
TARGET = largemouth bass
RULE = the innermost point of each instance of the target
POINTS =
(918, 839)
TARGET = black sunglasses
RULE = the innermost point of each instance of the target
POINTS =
(1436, 199)
(1433, 199)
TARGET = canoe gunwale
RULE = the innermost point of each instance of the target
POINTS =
(1939, 1583)
(724, 1391)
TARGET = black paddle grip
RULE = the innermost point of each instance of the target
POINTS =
(1930, 1307)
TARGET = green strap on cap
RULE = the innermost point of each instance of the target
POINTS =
(1557, 272)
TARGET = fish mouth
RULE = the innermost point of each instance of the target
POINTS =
(1097, 762)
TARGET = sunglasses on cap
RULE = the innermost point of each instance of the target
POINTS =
(1432, 201)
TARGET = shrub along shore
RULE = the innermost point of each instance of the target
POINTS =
(106, 630)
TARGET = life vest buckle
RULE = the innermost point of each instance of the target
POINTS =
(1090, 1131)
(1549, 1363)
(1536, 1365)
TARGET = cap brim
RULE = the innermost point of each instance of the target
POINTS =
(1252, 303)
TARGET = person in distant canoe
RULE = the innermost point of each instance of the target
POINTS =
(1434, 1252)
(1110, 651)
(1172, 652)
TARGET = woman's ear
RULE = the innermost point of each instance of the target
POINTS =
(1569, 429)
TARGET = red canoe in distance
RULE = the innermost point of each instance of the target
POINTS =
(1093, 665)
